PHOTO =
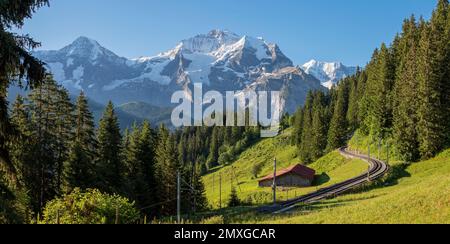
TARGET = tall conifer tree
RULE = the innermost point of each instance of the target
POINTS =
(80, 169)
(166, 171)
(406, 103)
(337, 134)
(109, 161)
(432, 123)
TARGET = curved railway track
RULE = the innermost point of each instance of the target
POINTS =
(377, 170)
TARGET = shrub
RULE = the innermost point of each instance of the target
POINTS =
(225, 158)
(90, 207)
(234, 199)
(256, 170)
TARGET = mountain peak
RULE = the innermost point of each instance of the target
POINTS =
(84, 42)
(329, 73)
(85, 47)
(310, 63)
(221, 34)
(210, 42)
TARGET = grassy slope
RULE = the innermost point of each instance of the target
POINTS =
(335, 167)
(421, 196)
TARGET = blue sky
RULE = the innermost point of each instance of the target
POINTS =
(328, 30)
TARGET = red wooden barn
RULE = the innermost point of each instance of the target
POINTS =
(295, 176)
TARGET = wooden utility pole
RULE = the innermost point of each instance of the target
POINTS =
(235, 178)
(117, 215)
(368, 170)
(379, 148)
(387, 156)
(231, 181)
(178, 197)
(357, 143)
(220, 190)
(275, 181)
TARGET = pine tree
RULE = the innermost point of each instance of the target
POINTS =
(109, 161)
(305, 145)
(213, 158)
(446, 81)
(44, 124)
(405, 90)
(166, 171)
(199, 192)
(64, 111)
(353, 118)
(16, 63)
(80, 166)
(136, 186)
(23, 158)
(79, 172)
(236, 134)
(140, 160)
(298, 127)
(432, 124)
(85, 126)
(193, 191)
(50, 134)
(147, 153)
(319, 127)
(234, 199)
(406, 103)
(381, 78)
(21, 150)
(338, 132)
(9, 212)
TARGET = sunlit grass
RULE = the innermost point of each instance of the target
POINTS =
(422, 196)
(333, 168)
(419, 193)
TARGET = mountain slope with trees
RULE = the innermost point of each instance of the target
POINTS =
(402, 94)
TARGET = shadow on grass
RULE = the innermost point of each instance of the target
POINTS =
(214, 170)
(321, 179)
(395, 174)
(328, 204)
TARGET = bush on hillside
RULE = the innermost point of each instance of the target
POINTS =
(90, 207)
(234, 199)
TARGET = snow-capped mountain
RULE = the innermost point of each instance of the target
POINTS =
(85, 65)
(328, 73)
(221, 60)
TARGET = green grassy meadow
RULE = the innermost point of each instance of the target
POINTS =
(331, 169)
(413, 193)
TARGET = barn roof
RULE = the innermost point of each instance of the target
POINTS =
(298, 169)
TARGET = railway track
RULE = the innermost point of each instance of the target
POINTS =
(377, 169)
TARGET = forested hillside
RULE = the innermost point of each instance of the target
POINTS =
(402, 95)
